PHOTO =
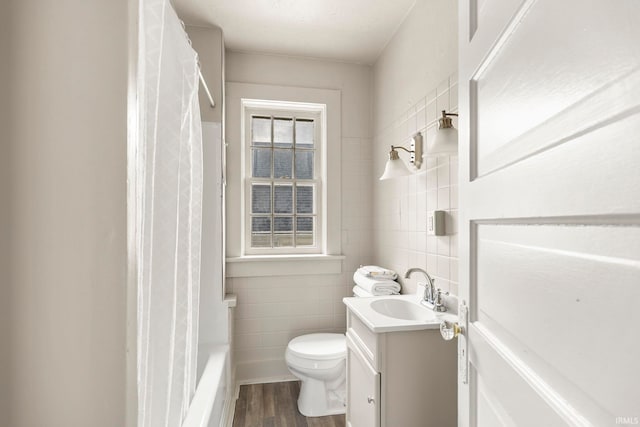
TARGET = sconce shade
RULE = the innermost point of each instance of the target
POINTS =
(395, 167)
(445, 142)
(446, 139)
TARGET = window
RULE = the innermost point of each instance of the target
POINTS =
(283, 158)
(245, 101)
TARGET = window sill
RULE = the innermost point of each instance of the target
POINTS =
(283, 265)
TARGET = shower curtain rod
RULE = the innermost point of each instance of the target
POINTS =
(202, 80)
(206, 88)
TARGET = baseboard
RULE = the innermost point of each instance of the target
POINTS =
(229, 410)
(278, 379)
(259, 371)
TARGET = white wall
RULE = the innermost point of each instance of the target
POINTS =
(412, 80)
(213, 327)
(272, 310)
(422, 54)
(68, 212)
(209, 43)
(5, 305)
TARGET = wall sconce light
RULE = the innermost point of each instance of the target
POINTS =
(446, 140)
(395, 167)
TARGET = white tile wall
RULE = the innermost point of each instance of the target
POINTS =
(401, 205)
(273, 310)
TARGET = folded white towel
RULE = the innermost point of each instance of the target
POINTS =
(360, 292)
(377, 272)
(376, 286)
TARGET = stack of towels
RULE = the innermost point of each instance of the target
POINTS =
(372, 280)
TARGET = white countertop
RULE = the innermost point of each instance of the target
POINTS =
(422, 316)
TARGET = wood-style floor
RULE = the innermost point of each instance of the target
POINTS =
(274, 405)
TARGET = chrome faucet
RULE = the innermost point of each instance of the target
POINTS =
(432, 296)
(429, 289)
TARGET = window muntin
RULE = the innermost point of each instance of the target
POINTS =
(282, 210)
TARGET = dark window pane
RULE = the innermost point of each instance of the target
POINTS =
(304, 224)
(282, 224)
(260, 198)
(261, 232)
(304, 231)
(261, 163)
(305, 132)
(283, 132)
(304, 199)
(282, 163)
(304, 164)
(283, 199)
(261, 131)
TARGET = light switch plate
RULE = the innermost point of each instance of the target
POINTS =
(435, 223)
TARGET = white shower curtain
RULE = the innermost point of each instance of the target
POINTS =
(169, 217)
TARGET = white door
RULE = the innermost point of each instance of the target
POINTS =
(550, 212)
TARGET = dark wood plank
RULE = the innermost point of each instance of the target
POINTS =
(285, 407)
(255, 410)
(340, 420)
(241, 408)
(329, 421)
(268, 392)
(275, 405)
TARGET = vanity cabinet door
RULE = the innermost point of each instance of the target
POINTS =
(363, 390)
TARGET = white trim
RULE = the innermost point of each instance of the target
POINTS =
(230, 300)
(302, 110)
(235, 93)
(133, 133)
(285, 258)
(284, 265)
(229, 409)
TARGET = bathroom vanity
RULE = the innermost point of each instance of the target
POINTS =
(400, 372)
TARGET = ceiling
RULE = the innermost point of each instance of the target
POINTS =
(345, 30)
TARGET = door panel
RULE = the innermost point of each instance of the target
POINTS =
(550, 212)
(575, 72)
(552, 292)
(363, 389)
(508, 392)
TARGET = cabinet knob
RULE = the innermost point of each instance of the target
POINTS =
(370, 399)
(449, 330)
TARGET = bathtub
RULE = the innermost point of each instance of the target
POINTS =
(211, 403)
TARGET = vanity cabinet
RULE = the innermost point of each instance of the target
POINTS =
(363, 389)
(401, 378)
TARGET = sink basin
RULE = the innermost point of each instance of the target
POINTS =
(392, 313)
(402, 309)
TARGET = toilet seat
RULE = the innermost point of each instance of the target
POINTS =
(316, 351)
(319, 346)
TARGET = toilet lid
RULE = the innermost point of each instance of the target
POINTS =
(319, 346)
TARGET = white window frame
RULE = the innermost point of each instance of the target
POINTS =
(239, 264)
(268, 108)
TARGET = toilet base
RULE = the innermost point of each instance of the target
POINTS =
(315, 401)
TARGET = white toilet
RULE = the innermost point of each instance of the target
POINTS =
(319, 361)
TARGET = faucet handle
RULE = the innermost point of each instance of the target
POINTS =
(438, 304)
(440, 292)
